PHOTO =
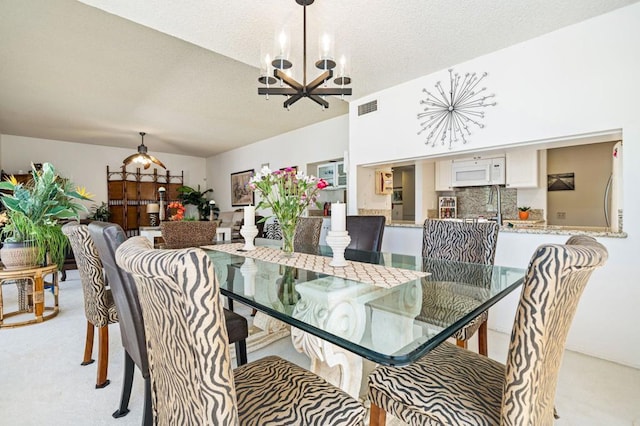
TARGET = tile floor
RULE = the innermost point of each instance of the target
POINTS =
(42, 382)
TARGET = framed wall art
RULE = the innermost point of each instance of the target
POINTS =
(241, 194)
(561, 182)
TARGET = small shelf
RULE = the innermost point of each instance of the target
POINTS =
(447, 207)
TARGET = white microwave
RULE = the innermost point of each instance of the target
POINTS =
(480, 172)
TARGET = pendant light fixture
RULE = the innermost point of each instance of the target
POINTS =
(297, 91)
(142, 158)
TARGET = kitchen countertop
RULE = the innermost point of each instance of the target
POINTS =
(537, 227)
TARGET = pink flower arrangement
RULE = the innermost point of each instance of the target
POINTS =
(286, 192)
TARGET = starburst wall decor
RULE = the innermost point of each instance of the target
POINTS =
(447, 116)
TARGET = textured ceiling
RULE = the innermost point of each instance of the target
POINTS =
(185, 72)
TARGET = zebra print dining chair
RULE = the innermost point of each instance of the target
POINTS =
(462, 242)
(99, 308)
(191, 376)
(107, 237)
(453, 386)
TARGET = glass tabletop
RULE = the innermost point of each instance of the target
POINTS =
(391, 326)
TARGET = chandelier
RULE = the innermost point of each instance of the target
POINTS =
(141, 157)
(311, 90)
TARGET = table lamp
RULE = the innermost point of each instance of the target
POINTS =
(153, 210)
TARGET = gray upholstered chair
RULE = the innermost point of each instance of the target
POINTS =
(453, 386)
(191, 376)
(107, 237)
(185, 233)
(99, 307)
(462, 242)
(307, 236)
(366, 232)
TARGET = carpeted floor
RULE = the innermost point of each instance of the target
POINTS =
(42, 382)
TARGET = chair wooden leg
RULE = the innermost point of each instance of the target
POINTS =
(127, 382)
(461, 343)
(482, 339)
(88, 345)
(377, 416)
(103, 356)
(241, 352)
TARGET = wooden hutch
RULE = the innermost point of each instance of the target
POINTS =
(129, 193)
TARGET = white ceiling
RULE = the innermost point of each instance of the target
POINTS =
(185, 72)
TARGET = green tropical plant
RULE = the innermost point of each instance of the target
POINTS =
(189, 195)
(524, 208)
(100, 212)
(35, 208)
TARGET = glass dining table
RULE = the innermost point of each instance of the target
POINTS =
(388, 308)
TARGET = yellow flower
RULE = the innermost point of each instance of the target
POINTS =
(82, 191)
(13, 180)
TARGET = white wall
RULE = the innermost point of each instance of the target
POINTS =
(312, 144)
(579, 80)
(86, 165)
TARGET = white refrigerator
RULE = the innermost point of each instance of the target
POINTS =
(613, 192)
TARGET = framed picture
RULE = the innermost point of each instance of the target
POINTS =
(241, 194)
(561, 182)
(397, 196)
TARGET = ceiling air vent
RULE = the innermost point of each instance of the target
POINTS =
(367, 108)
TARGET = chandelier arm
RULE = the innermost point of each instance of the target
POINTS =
(285, 91)
(290, 81)
(292, 100)
(331, 91)
(317, 99)
(319, 80)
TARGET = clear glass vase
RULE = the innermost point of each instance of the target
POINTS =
(287, 293)
(288, 233)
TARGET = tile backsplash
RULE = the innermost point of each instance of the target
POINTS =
(474, 201)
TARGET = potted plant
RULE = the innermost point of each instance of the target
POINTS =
(523, 212)
(100, 212)
(194, 197)
(34, 210)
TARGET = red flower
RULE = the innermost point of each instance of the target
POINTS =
(322, 184)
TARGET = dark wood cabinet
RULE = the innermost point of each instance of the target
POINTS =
(129, 193)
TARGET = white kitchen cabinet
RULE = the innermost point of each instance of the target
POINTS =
(334, 173)
(443, 175)
(522, 168)
(341, 175)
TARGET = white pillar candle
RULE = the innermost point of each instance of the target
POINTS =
(338, 216)
(250, 215)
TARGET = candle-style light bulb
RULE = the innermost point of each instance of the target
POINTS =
(282, 39)
(326, 46)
